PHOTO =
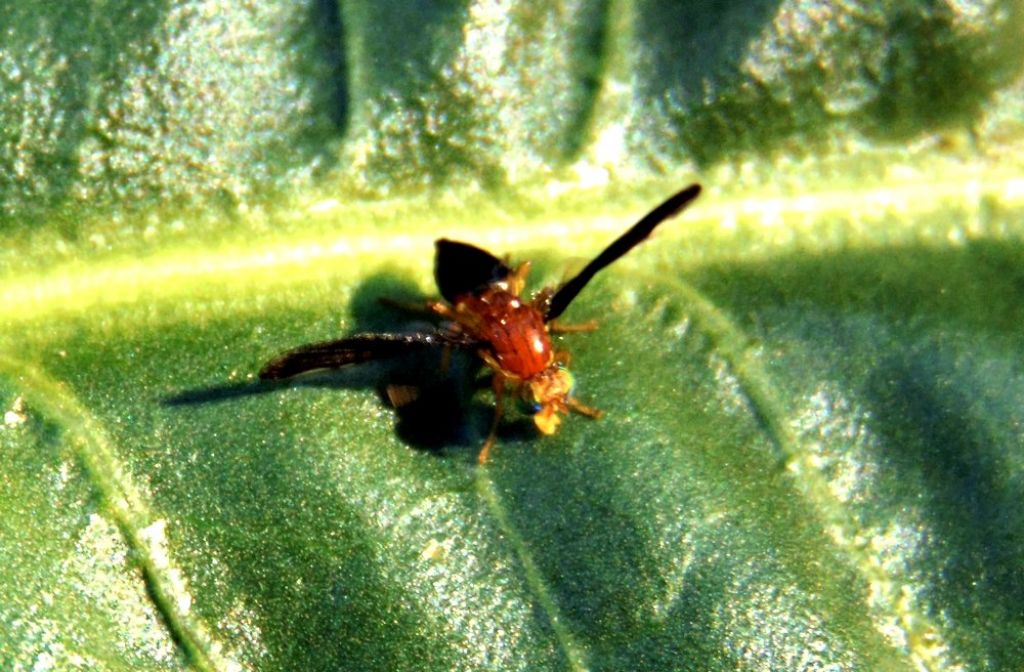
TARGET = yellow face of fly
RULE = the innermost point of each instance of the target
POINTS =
(548, 392)
(547, 419)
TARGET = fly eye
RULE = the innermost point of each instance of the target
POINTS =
(568, 380)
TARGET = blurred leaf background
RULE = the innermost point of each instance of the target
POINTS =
(811, 457)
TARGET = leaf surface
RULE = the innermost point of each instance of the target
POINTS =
(811, 379)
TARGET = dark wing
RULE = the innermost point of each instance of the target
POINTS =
(623, 244)
(461, 268)
(355, 350)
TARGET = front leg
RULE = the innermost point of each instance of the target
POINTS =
(583, 409)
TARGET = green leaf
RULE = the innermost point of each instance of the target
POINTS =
(810, 455)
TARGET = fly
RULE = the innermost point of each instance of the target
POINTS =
(484, 313)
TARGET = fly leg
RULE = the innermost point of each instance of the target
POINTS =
(498, 382)
(559, 328)
(432, 308)
(583, 409)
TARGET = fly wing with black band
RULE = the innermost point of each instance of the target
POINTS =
(461, 268)
(356, 350)
(561, 299)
